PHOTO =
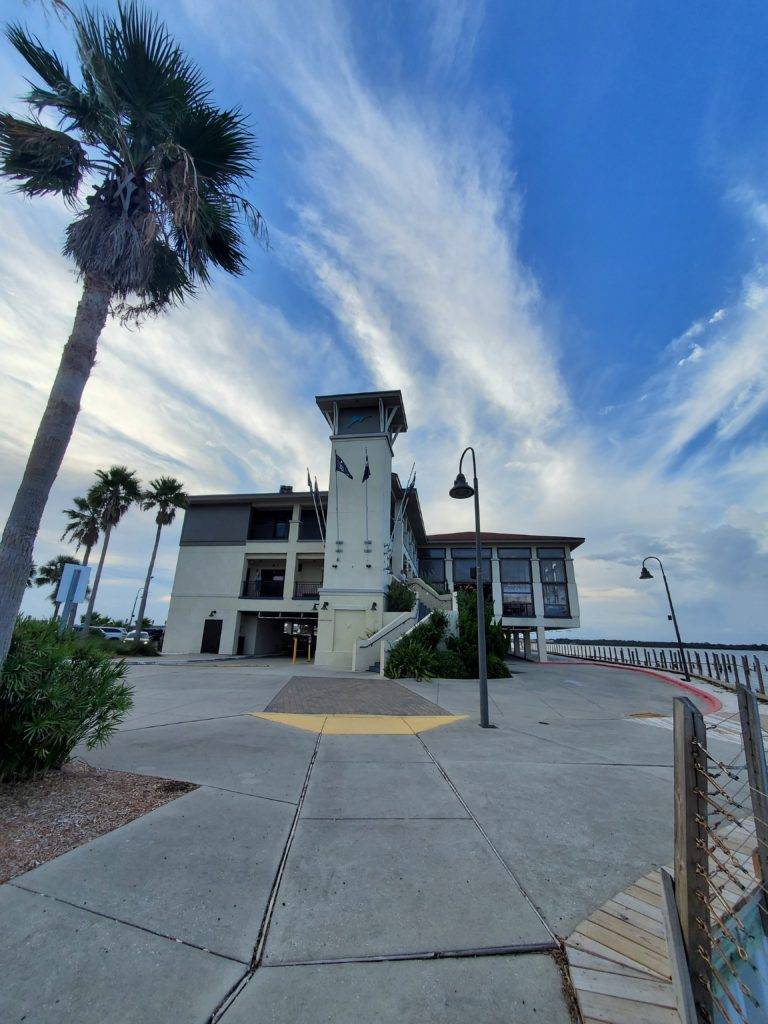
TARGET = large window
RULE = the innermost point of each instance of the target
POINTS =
(516, 585)
(432, 566)
(554, 583)
(465, 566)
(269, 524)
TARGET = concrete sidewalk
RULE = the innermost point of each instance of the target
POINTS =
(336, 878)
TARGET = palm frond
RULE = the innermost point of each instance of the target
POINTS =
(167, 495)
(168, 284)
(42, 160)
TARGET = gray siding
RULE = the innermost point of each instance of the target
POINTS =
(215, 524)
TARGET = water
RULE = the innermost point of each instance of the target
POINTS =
(752, 972)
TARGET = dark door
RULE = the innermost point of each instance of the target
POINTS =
(211, 636)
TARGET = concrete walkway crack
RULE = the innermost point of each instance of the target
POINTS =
(517, 949)
(266, 920)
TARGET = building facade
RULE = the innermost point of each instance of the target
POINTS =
(254, 569)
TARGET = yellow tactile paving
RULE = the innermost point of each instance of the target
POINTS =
(359, 725)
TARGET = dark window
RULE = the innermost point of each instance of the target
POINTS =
(465, 570)
(264, 583)
(470, 552)
(551, 552)
(552, 570)
(516, 586)
(432, 565)
(556, 601)
(269, 524)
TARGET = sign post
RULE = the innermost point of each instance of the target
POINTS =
(72, 588)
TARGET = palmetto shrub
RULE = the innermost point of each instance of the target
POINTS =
(55, 693)
(400, 598)
(410, 658)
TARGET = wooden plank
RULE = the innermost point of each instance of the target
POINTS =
(641, 990)
(593, 962)
(644, 895)
(638, 954)
(592, 946)
(651, 881)
(625, 900)
(623, 1011)
(630, 931)
(681, 976)
(649, 924)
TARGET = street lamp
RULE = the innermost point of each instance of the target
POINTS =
(646, 574)
(461, 489)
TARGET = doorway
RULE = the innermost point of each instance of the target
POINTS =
(211, 636)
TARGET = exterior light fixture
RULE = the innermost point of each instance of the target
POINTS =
(646, 574)
(461, 489)
(325, 605)
(374, 606)
(211, 614)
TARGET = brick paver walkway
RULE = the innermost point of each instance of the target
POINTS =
(319, 695)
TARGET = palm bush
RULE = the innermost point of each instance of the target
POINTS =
(55, 692)
(155, 172)
(400, 598)
(166, 495)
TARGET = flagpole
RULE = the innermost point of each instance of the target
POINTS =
(338, 528)
(324, 528)
(367, 470)
(314, 505)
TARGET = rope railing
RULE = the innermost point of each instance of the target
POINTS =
(721, 864)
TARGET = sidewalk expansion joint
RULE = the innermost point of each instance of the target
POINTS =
(258, 952)
(129, 924)
(497, 853)
(518, 949)
(184, 721)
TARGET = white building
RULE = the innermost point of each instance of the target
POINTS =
(254, 569)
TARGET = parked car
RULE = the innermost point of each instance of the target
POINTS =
(156, 634)
(112, 632)
(132, 637)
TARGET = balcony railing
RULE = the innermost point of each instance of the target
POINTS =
(264, 589)
(306, 591)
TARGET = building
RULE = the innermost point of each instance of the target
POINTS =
(256, 568)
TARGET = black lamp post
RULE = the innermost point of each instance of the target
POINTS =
(645, 574)
(461, 489)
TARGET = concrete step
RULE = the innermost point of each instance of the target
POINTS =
(376, 667)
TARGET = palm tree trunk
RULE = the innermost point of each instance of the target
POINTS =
(95, 587)
(143, 604)
(73, 610)
(48, 450)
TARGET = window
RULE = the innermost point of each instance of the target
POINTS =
(267, 524)
(432, 565)
(516, 586)
(554, 583)
(465, 570)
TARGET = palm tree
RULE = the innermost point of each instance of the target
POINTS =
(164, 168)
(49, 575)
(166, 494)
(114, 492)
(83, 527)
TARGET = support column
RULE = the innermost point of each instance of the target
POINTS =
(527, 644)
(541, 637)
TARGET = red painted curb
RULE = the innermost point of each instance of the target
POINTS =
(712, 703)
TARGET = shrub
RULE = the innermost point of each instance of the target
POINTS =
(54, 693)
(431, 630)
(134, 647)
(448, 665)
(409, 658)
(400, 598)
(497, 667)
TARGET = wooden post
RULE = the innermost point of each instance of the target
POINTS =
(759, 675)
(745, 667)
(698, 663)
(709, 670)
(678, 962)
(757, 772)
(295, 648)
(691, 857)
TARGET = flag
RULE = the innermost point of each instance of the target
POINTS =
(341, 467)
(367, 470)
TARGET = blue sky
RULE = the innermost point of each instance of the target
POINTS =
(547, 223)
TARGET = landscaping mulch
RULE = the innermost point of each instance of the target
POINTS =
(55, 811)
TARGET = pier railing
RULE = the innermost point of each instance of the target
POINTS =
(721, 667)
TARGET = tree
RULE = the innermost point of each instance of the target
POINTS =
(49, 575)
(83, 527)
(167, 495)
(164, 168)
(114, 492)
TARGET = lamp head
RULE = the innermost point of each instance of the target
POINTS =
(461, 488)
(645, 574)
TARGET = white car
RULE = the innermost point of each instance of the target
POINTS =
(113, 632)
(130, 638)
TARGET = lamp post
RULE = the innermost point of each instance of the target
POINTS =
(646, 574)
(461, 489)
(133, 610)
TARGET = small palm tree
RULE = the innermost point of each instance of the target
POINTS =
(114, 492)
(167, 495)
(49, 575)
(165, 170)
(83, 527)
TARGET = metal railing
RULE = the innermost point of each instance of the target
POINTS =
(306, 591)
(721, 862)
(264, 589)
(725, 668)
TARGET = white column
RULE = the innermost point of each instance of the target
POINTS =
(527, 643)
(541, 636)
(498, 608)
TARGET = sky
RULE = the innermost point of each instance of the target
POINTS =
(546, 223)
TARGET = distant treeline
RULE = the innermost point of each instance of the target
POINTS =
(666, 643)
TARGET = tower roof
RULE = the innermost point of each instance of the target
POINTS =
(390, 404)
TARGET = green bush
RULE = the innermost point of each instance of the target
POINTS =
(431, 630)
(464, 645)
(497, 667)
(400, 598)
(448, 665)
(134, 648)
(410, 659)
(55, 692)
